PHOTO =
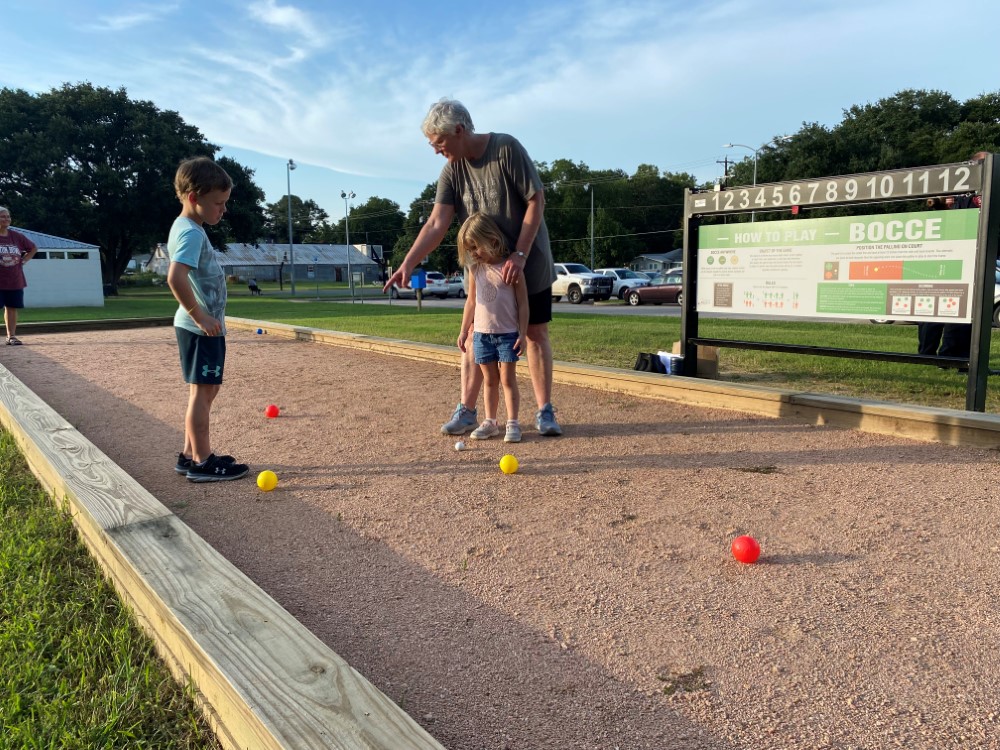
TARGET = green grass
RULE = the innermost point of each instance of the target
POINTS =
(614, 341)
(76, 672)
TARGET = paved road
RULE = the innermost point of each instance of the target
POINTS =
(599, 308)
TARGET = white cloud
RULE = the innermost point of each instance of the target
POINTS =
(289, 19)
(138, 16)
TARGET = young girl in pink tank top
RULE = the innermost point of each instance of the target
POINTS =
(497, 316)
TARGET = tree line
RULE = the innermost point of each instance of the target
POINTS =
(93, 165)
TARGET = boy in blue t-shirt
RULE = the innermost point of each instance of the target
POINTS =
(197, 281)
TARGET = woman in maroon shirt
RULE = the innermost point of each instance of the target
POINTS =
(15, 251)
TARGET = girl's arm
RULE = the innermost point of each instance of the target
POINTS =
(468, 313)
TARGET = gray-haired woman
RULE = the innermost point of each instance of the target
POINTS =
(15, 251)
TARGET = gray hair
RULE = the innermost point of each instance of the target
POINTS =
(444, 115)
(4, 210)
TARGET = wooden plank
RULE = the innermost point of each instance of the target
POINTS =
(264, 679)
(110, 324)
(949, 426)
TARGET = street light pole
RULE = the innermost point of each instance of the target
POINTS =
(347, 195)
(586, 186)
(756, 151)
(291, 244)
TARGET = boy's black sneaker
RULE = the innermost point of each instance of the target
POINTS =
(216, 469)
(184, 463)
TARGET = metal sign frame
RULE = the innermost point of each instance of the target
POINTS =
(978, 177)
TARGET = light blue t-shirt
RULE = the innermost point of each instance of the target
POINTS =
(188, 244)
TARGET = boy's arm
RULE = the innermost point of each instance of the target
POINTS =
(177, 280)
(468, 313)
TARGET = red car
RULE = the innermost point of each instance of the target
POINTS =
(661, 289)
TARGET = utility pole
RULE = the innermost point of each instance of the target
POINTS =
(725, 168)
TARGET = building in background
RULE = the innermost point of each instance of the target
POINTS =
(63, 273)
(658, 262)
(313, 262)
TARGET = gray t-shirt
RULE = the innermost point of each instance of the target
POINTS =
(500, 183)
(188, 244)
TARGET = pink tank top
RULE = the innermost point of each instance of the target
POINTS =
(496, 303)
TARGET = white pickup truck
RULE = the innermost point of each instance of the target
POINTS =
(577, 283)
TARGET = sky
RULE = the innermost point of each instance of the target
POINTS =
(342, 88)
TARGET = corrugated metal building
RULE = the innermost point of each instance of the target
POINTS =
(265, 261)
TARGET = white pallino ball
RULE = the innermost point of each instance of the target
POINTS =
(460, 446)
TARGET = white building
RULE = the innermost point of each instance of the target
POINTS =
(63, 273)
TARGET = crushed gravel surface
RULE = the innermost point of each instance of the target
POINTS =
(590, 600)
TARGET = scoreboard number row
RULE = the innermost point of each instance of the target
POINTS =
(891, 185)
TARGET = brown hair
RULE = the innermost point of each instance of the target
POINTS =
(480, 230)
(200, 175)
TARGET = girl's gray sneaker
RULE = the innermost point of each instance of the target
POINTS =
(486, 430)
(513, 432)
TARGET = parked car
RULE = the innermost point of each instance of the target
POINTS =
(578, 283)
(436, 287)
(662, 289)
(624, 279)
(456, 286)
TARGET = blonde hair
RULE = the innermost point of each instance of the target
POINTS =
(200, 176)
(482, 232)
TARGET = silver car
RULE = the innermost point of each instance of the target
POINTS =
(624, 279)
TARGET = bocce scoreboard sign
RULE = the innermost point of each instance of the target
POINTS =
(917, 266)
(896, 184)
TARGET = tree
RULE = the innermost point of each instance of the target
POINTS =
(377, 221)
(908, 129)
(445, 257)
(244, 220)
(93, 165)
(308, 219)
(633, 214)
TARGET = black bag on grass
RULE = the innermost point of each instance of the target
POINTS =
(647, 362)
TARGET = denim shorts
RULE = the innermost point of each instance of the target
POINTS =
(494, 347)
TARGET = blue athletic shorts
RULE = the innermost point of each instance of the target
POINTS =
(494, 347)
(12, 298)
(203, 358)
